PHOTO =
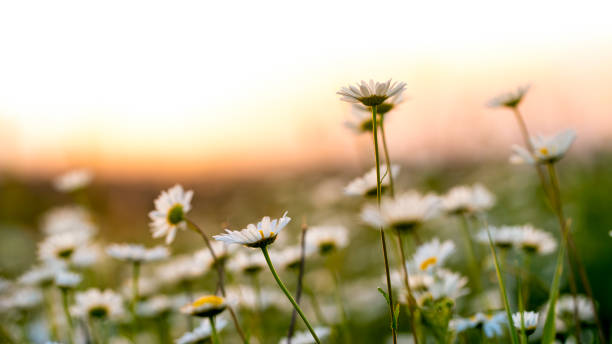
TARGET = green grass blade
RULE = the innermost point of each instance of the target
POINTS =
(548, 334)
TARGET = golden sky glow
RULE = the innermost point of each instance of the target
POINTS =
(188, 86)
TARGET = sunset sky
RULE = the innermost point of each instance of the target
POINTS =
(183, 87)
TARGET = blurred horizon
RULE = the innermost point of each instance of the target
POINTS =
(140, 90)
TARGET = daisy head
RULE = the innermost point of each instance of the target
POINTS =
(326, 239)
(565, 309)
(510, 99)
(503, 237)
(248, 264)
(290, 257)
(360, 121)
(546, 149)
(180, 269)
(371, 93)
(169, 215)
(403, 213)
(202, 333)
(432, 254)
(205, 306)
(261, 234)
(366, 185)
(529, 319)
(73, 180)
(155, 306)
(67, 219)
(94, 303)
(136, 253)
(61, 247)
(533, 240)
(39, 276)
(467, 199)
(223, 252)
(67, 280)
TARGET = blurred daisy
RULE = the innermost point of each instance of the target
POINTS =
(533, 240)
(246, 296)
(205, 306)
(547, 149)
(202, 333)
(510, 99)
(169, 214)
(491, 324)
(503, 237)
(432, 254)
(326, 239)
(371, 93)
(530, 319)
(366, 185)
(136, 253)
(565, 309)
(180, 269)
(61, 247)
(39, 276)
(405, 212)
(67, 280)
(154, 307)
(448, 284)
(247, 264)
(68, 219)
(147, 286)
(94, 303)
(305, 337)
(86, 256)
(222, 251)
(291, 257)
(262, 234)
(468, 199)
(360, 121)
(73, 180)
(21, 299)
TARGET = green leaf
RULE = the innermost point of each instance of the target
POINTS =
(384, 294)
(396, 315)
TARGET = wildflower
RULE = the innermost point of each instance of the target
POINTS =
(326, 239)
(73, 180)
(86, 256)
(247, 264)
(205, 306)
(448, 284)
(510, 99)
(147, 286)
(491, 324)
(533, 240)
(245, 296)
(546, 149)
(305, 337)
(21, 299)
(202, 333)
(137, 253)
(371, 94)
(260, 235)
(67, 280)
(68, 219)
(291, 257)
(222, 251)
(432, 254)
(366, 185)
(382, 109)
(39, 276)
(530, 319)
(181, 269)
(61, 247)
(155, 307)
(402, 213)
(94, 303)
(565, 309)
(468, 199)
(169, 214)
(503, 237)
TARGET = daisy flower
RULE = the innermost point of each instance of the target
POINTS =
(67, 280)
(94, 303)
(405, 212)
(205, 306)
(246, 296)
(291, 257)
(432, 254)
(169, 214)
(202, 333)
(382, 109)
(510, 99)
(137, 253)
(448, 284)
(533, 240)
(565, 309)
(39, 276)
(305, 337)
(366, 185)
(546, 149)
(68, 219)
(371, 93)
(222, 251)
(467, 199)
(260, 235)
(247, 264)
(73, 180)
(180, 269)
(61, 247)
(326, 239)
(530, 319)
(147, 286)
(155, 307)
(360, 121)
(21, 299)
(491, 324)
(503, 237)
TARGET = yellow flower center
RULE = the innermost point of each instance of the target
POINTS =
(428, 262)
(209, 299)
(544, 151)
(263, 236)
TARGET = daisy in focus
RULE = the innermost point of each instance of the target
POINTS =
(261, 234)
(366, 185)
(73, 180)
(468, 200)
(403, 213)
(371, 93)
(510, 99)
(546, 149)
(530, 319)
(136, 253)
(94, 303)
(205, 306)
(326, 239)
(171, 206)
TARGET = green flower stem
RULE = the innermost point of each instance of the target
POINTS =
(411, 301)
(215, 336)
(48, 295)
(264, 250)
(64, 292)
(471, 255)
(502, 286)
(382, 232)
(548, 334)
(346, 334)
(387, 157)
(521, 310)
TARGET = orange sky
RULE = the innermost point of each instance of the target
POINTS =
(167, 88)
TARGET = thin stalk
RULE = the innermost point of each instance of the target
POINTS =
(215, 336)
(300, 278)
(411, 303)
(387, 157)
(470, 249)
(338, 298)
(382, 233)
(95, 336)
(521, 311)
(527, 267)
(221, 276)
(264, 250)
(64, 292)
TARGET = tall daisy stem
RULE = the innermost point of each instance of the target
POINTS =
(215, 336)
(411, 301)
(64, 292)
(387, 157)
(382, 233)
(264, 250)
(470, 249)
